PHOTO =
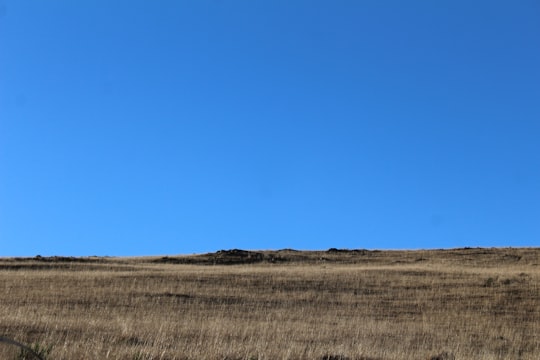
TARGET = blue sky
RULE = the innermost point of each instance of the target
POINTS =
(165, 127)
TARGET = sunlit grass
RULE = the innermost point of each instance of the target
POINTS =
(471, 303)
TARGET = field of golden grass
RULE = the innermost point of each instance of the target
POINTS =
(335, 304)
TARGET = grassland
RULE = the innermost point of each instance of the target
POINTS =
(335, 304)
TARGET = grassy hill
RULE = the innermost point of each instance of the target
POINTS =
(471, 303)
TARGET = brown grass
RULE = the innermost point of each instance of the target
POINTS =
(469, 303)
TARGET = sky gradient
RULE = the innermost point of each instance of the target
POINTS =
(167, 127)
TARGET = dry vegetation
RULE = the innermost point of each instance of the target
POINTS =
(467, 303)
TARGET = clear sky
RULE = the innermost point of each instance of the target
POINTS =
(134, 127)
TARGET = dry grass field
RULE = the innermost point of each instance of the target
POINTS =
(335, 304)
